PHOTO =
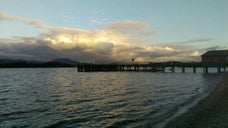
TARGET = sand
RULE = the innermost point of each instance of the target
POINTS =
(211, 112)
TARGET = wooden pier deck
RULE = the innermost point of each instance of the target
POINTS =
(150, 67)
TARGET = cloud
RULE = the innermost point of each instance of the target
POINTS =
(198, 40)
(35, 23)
(214, 48)
(100, 21)
(82, 45)
(196, 53)
(4, 16)
(177, 45)
(96, 22)
(68, 16)
(106, 44)
(132, 27)
(117, 42)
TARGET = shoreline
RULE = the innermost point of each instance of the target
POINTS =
(210, 112)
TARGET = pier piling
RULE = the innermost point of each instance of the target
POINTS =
(183, 69)
(194, 69)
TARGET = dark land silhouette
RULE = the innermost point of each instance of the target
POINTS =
(60, 62)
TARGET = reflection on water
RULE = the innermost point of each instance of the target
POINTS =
(65, 98)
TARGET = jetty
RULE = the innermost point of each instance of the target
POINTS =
(211, 59)
(150, 67)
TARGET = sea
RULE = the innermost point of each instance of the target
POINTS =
(65, 98)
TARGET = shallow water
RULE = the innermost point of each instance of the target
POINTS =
(62, 97)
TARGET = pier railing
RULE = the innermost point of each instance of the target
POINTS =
(150, 67)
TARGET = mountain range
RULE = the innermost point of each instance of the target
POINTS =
(17, 63)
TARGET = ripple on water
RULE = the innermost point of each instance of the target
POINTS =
(65, 98)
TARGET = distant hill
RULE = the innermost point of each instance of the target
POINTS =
(66, 61)
(15, 63)
(7, 61)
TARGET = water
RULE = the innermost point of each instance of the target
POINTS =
(62, 97)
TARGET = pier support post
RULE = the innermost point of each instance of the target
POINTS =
(183, 69)
(218, 69)
(194, 69)
(205, 69)
(172, 69)
(129, 68)
(163, 69)
(144, 68)
(122, 68)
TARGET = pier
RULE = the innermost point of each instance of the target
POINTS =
(150, 67)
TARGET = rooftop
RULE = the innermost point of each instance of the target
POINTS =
(216, 53)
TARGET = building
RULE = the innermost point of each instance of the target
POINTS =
(215, 57)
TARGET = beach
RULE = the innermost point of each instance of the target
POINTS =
(210, 112)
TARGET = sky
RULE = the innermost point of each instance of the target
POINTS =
(107, 31)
